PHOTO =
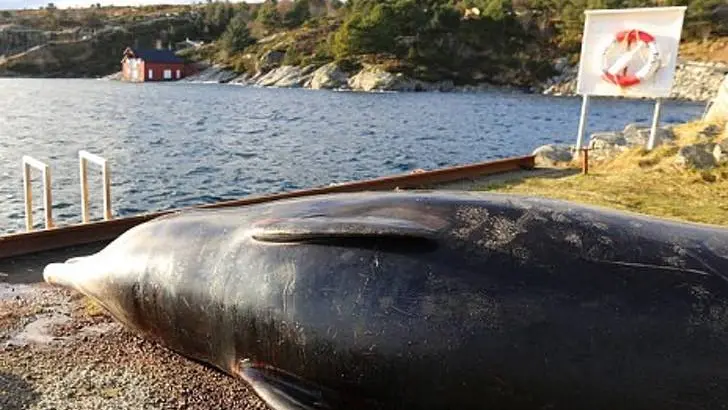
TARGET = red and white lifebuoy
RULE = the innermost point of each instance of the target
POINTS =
(629, 42)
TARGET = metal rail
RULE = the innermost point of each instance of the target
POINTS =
(29, 163)
(84, 157)
(22, 243)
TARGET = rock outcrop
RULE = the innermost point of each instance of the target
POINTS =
(553, 155)
(698, 155)
(242, 79)
(605, 145)
(718, 111)
(212, 74)
(328, 76)
(373, 78)
(697, 81)
(637, 135)
(270, 60)
(117, 76)
(17, 39)
(564, 83)
(694, 81)
(720, 152)
(286, 76)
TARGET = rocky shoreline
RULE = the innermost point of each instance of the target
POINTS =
(710, 148)
(331, 77)
(694, 81)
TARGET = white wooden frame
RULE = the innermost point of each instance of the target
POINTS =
(84, 157)
(29, 163)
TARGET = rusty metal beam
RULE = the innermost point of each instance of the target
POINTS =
(41, 240)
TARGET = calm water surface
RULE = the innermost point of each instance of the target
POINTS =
(173, 145)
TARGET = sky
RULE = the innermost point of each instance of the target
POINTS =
(34, 4)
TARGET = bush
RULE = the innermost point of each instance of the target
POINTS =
(292, 56)
(236, 37)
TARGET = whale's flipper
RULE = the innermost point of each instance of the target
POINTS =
(283, 391)
(327, 228)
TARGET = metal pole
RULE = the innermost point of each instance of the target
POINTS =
(655, 123)
(582, 122)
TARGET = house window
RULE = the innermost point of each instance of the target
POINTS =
(151, 74)
(167, 74)
(179, 74)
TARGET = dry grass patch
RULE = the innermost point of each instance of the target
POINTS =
(712, 49)
(645, 182)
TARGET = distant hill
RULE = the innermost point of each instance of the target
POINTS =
(513, 42)
(88, 42)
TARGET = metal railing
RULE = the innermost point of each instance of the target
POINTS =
(84, 157)
(28, 163)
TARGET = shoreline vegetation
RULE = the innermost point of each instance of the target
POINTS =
(368, 45)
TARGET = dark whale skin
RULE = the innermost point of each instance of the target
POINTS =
(430, 300)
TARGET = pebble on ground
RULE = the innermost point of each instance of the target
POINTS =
(56, 353)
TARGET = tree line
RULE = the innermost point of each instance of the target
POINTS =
(414, 27)
(437, 38)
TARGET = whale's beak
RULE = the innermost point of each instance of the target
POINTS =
(63, 273)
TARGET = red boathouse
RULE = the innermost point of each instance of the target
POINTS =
(140, 65)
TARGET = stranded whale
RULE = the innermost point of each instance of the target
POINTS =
(429, 300)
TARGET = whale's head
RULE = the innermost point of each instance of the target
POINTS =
(100, 279)
(66, 274)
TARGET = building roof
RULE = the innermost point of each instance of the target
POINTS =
(154, 55)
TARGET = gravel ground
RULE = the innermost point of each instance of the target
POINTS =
(59, 352)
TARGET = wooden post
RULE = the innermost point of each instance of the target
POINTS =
(28, 197)
(47, 197)
(585, 161)
(83, 170)
(107, 190)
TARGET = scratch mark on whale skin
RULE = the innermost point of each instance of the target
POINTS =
(651, 266)
(468, 220)
(502, 232)
(574, 239)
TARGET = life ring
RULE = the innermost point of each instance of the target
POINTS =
(620, 76)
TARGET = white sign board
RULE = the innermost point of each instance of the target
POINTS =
(630, 52)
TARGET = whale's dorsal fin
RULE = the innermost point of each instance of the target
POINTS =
(319, 228)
